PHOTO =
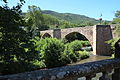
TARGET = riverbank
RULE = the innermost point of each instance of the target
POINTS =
(91, 59)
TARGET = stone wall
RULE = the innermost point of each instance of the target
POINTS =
(68, 72)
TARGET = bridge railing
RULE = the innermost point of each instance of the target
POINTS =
(87, 70)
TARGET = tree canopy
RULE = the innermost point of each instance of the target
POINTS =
(117, 21)
(15, 45)
(6, 1)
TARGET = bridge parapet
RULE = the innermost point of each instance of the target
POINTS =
(88, 70)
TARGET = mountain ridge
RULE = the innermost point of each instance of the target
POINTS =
(71, 17)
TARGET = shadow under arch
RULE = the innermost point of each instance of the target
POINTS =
(46, 35)
(76, 36)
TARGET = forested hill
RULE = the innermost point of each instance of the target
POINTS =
(48, 19)
(73, 18)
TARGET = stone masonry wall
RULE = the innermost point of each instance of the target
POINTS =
(67, 72)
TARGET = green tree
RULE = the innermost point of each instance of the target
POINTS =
(6, 1)
(35, 20)
(51, 21)
(117, 21)
(14, 41)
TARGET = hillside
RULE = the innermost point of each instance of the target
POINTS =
(52, 19)
(73, 18)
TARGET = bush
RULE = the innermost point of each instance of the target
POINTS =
(71, 50)
(85, 43)
(17, 67)
(75, 45)
(51, 50)
(83, 54)
(112, 43)
(74, 50)
(70, 53)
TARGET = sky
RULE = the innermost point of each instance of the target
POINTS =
(90, 8)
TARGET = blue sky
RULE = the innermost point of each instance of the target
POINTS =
(91, 8)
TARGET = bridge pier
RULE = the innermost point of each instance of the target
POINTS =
(57, 33)
(101, 33)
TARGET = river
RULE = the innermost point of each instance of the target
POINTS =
(91, 59)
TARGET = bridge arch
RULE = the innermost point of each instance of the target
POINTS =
(75, 36)
(46, 35)
(85, 31)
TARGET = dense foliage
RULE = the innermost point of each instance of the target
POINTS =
(14, 41)
(117, 21)
(34, 21)
(51, 51)
(84, 54)
(72, 50)
(55, 53)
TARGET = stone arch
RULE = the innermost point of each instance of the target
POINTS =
(82, 35)
(86, 31)
(75, 35)
(46, 35)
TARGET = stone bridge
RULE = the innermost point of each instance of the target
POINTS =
(97, 35)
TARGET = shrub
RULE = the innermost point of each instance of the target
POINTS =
(14, 63)
(17, 67)
(71, 50)
(112, 43)
(83, 54)
(85, 43)
(75, 45)
(51, 50)
(64, 40)
(38, 64)
(70, 53)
